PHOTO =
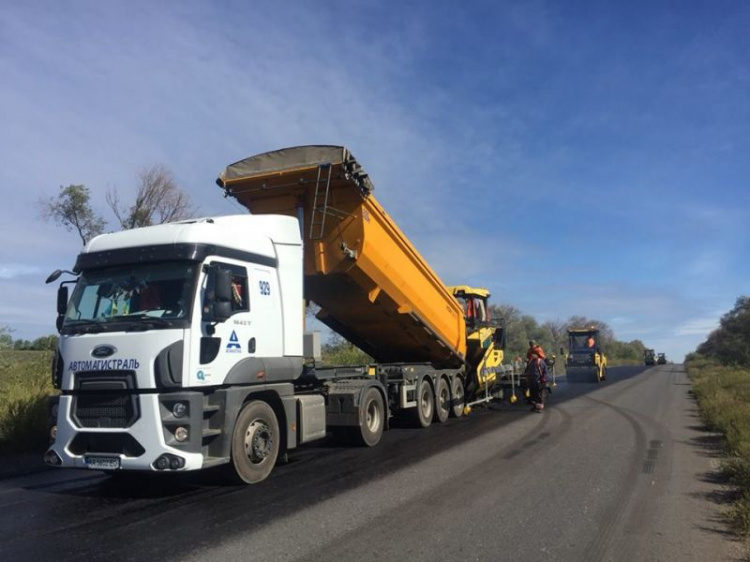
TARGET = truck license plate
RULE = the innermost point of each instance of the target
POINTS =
(103, 463)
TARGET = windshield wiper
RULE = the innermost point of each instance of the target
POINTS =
(86, 326)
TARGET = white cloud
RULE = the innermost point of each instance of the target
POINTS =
(11, 270)
(698, 326)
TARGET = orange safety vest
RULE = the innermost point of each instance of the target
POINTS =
(536, 350)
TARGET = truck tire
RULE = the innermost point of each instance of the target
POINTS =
(255, 442)
(371, 419)
(442, 401)
(457, 397)
(425, 403)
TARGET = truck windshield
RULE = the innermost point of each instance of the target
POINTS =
(145, 295)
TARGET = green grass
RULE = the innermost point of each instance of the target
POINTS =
(723, 395)
(25, 384)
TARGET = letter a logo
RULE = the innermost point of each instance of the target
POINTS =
(234, 344)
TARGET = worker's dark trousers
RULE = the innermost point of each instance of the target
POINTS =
(537, 391)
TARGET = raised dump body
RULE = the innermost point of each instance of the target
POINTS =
(372, 285)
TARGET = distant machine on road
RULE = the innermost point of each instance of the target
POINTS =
(649, 357)
(661, 359)
(586, 359)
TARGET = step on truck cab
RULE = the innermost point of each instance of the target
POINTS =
(183, 345)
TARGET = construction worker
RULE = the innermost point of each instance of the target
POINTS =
(590, 343)
(534, 350)
(536, 381)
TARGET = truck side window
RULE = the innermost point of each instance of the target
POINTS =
(239, 292)
(240, 298)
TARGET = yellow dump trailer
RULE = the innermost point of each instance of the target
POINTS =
(372, 285)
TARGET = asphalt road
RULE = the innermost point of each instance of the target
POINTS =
(621, 470)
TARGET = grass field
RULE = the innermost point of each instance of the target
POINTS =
(25, 384)
(723, 395)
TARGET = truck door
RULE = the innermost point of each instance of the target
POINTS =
(253, 328)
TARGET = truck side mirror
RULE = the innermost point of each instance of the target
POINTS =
(62, 300)
(223, 285)
(221, 306)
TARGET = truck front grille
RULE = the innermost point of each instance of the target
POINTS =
(105, 399)
(105, 410)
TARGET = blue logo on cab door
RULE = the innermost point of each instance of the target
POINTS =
(234, 344)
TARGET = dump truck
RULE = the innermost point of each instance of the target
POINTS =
(586, 359)
(649, 357)
(183, 345)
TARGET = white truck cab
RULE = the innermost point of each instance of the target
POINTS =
(171, 327)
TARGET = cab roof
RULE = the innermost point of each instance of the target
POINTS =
(583, 331)
(467, 291)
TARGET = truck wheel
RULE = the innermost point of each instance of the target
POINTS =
(371, 419)
(457, 397)
(425, 403)
(255, 442)
(442, 401)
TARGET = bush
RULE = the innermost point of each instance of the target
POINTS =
(24, 387)
(723, 395)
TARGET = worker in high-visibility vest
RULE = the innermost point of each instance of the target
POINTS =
(534, 350)
(536, 381)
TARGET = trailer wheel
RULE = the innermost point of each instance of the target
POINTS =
(442, 400)
(425, 403)
(371, 419)
(255, 442)
(457, 397)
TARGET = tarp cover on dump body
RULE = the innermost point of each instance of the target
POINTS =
(286, 160)
(372, 285)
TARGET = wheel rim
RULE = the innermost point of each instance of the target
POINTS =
(258, 441)
(444, 398)
(458, 395)
(372, 416)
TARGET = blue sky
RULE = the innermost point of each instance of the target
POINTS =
(576, 158)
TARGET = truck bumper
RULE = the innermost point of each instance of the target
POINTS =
(81, 441)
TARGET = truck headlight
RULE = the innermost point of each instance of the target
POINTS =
(179, 410)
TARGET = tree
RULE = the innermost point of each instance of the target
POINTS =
(338, 351)
(6, 340)
(581, 322)
(512, 320)
(71, 209)
(730, 342)
(46, 343)
(556, 333)
(158, 200)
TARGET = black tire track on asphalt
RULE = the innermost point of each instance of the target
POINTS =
(618, 506)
